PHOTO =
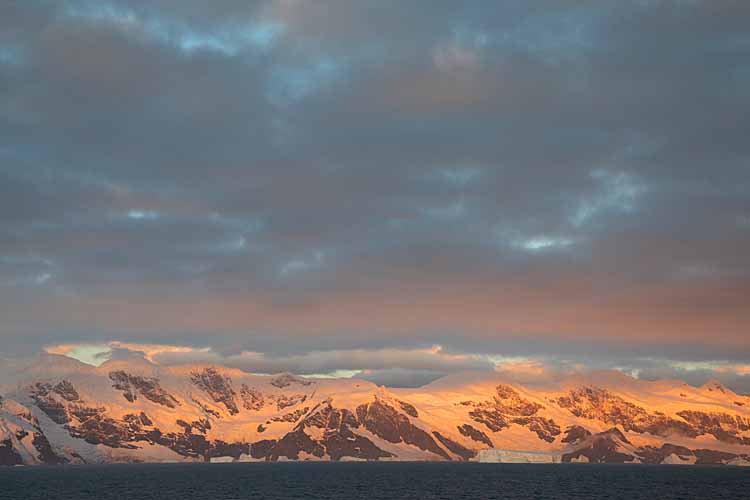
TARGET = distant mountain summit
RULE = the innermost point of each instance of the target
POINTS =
(55, 410)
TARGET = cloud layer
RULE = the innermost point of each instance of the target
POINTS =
(309, 180)
(407, 367)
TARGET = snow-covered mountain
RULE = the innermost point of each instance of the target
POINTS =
(56, 410)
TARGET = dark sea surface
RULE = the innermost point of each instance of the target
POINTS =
(351, 481)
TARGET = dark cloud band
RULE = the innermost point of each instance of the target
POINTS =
(493, 177)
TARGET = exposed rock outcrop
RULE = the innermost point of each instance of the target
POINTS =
(217, 386)
(291, 400)
(575, 434)
(149, 388)
(508, 407)
(605, 447)
(46, 454)
(409, 409)
(8, 454)
(454, 447)
(599, 404)
(252, 399)
(384, 421)
(722, 426)
(291, 417)
(475, 434)
(286, 380)
(43, 397)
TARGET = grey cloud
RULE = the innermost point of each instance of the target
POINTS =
(322, 362)
(400, 377)
(306, 164)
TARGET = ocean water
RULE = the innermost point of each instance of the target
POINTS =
(373, 481)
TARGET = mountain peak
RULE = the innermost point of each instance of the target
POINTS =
(714, 385)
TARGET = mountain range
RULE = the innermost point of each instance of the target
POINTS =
(56, 410)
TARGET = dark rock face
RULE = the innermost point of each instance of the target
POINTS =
(42, 396)
(510, 402)
(206, 410)
(291, 417)
(408, 409)
(186, 443)
(652, 455)
(218, 387)
(45, 391)
(345, 443)
(508, 407)
(384, 421)
(602, 448)
(54, 410)
(293, 443)
(594, 403)
(602, 405)
(252, 399)
(202, 426)
(262, 449)
(46, 454)
(599, 404)
(149, 388)
(492, 419)
(286, 380)
(545, 428)
(475, 434)
(338, 439)
(220, 448)
(454, 447)
(325, 416)
(722, 426)
(575, 434)
(95, 427)
(8, 454)
(144, 419)
(712, 457)
(192, 441)
(287, 401)
(66, 391)
(122, 383)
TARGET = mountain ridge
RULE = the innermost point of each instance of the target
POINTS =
(57, 410)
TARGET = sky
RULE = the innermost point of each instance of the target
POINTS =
(394, 190)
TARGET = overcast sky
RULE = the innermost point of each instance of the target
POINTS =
(393, 189)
